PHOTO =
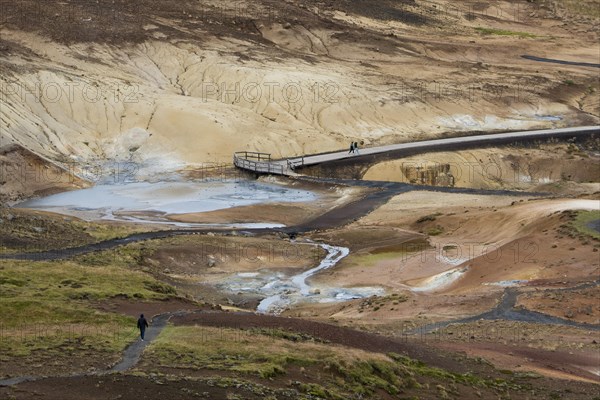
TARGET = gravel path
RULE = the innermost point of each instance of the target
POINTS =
(505, 310)
(335, 218)
(131, 355)
(563, 62)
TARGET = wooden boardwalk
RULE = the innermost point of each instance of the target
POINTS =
(262, 163)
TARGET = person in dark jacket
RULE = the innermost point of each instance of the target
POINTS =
(142, 324)
(355, 144)
(351, 148)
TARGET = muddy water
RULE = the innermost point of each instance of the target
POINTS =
(287, 290)
(151, 202)
(284, 291)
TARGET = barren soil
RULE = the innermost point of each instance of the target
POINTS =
(493, 294)
(110, 91)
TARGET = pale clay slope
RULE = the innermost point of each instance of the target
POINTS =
(158, 105)
(495, 168)
(170, 113)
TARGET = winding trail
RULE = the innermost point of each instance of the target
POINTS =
(335, 218)
(131, 355)
(563, 62)
(344, 336)
(505, 310)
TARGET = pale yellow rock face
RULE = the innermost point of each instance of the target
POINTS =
(304, 83)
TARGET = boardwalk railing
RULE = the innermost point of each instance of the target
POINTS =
(262, 162)
(257, 162)
(253, 155)
(297, 162)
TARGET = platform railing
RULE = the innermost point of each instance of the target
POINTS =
(257, 162)
(295, 162)
(253, 155)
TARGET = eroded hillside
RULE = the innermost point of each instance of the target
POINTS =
(169, 84)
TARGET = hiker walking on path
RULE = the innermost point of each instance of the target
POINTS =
(351, 147)
(355, 145)
(142, 324)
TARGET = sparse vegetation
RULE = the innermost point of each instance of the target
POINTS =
(31, 231)
(342, 371)
(579, 225)
(47, 306)
(583, 221)
(329, 372)
(377, 302)
(582, 8)
(419, 368)
(436, 230)
(430, 217)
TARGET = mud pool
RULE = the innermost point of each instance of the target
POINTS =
(153, 202)
(283, 291)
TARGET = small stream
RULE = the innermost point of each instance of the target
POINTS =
(154, 202)
(298, 285)
(282, 291)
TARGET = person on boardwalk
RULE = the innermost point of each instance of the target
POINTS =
(351, 148)
(142, 324)
(355, 144)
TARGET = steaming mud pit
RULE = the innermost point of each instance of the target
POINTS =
(403, 266)
(169, 203)
(284, 291)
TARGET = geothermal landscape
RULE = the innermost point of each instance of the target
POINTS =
(452, 272)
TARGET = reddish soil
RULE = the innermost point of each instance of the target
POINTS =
(124, 387)
(576, 305)
(557, 364)
(204, 383)
(338, 335)
(25, 174)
